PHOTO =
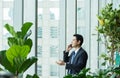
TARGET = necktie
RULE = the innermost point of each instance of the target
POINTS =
(71, 61)
(73, 56)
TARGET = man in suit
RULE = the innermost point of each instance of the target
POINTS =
(78, 58)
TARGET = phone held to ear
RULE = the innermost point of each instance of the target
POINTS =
(71, 45)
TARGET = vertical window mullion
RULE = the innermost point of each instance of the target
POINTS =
(1, 25)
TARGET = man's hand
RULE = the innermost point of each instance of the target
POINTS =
(60, 62)
(69, 47)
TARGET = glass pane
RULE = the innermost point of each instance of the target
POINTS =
(54, 13)
(40, 12)
(54, 0)
(8, 0)
(7, 17)
(8, 14)
(53, 70)
(39, 51)
(48, 39)
(81, 27)
(39, 70)
(53, 51)
(54, 32)
(39, 32)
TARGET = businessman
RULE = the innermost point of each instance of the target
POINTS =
(78, 58)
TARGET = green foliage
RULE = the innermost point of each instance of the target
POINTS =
(34, 76)
(11, 30)
(109, 72)
(19, 37)
(106, 58)
(15, 58)
(27, 63)
(109, 27)
(17, 51)
(4, 61)
(109, 23)
(82, 74)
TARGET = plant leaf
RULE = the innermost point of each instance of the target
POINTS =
(27, 64)
(26, 26)
(18, 61)
(12, 41)
(17, 51)
(19, 34)
(30, 76)
(28, 42)
(11, 30)
(4, 62)
(68, 76)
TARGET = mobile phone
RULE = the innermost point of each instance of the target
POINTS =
(71, 45)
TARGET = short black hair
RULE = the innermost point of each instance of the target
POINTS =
(79, 37)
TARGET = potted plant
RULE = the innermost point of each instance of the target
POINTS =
(109, 28)
(15, 59)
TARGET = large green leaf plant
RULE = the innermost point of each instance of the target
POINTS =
(15, 59)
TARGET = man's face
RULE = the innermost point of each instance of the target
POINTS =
(75, 43)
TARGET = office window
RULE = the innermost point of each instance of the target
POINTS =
(8, 14)
(6, 17)
(54, 0)
(39, 51)
(48, 36)
(40, 11)
(8, 0)
(39, 35)
(39, 0)
(54, 13)
(54, 32)
(53, 70)
(80, 13)
(39, 70)
(54, 51)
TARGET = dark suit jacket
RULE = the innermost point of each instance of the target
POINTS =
(79, 61)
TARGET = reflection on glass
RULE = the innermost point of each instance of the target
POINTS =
(6, 34)
(40, 12)
(48, 34)
(81, 30)
(80, 13)
(54, 32)
(54, 0)
(39, 70)
(53, 70)
(80, 0)
(53, 51)
(39, 51)
(7, 14)
(39, 34)
(54, 13)
(7, 17)
(8, 0)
